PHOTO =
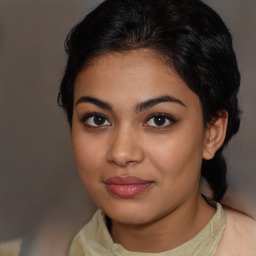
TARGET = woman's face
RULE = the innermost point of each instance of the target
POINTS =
(138, 136)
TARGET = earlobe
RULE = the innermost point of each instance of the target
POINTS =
(215, 135)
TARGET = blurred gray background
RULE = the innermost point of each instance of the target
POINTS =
(41, 197)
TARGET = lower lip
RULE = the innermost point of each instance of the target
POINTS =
(127, 190)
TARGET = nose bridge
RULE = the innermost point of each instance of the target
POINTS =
(125, 147)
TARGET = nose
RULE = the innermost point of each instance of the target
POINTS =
(125, 148)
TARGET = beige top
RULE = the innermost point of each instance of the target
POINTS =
(10, 248)
(94, 239)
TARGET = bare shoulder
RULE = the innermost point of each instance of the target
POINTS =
(239, 237)
(238, 216)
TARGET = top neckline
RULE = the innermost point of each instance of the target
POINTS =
(95, 239)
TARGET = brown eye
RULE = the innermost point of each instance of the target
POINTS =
(99, 120)
(160, 121)
(95, 120)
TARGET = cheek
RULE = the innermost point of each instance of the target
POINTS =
(89, 159)
(178, 156)
(89, 154)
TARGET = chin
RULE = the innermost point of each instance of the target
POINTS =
(129, 219)
(130, 214)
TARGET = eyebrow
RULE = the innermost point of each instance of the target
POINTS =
(97, 102)
(154, 101)
(138, 108)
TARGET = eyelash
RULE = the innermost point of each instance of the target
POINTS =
(87, 116)
(167, 117)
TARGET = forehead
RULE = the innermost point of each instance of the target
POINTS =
(131, 77)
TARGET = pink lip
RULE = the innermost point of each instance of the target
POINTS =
(127, 186)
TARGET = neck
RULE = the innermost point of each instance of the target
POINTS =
(167, 232)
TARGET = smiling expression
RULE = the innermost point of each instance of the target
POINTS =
(138, 136)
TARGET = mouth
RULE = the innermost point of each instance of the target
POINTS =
(127, 186)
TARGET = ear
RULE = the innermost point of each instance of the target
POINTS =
(215, 135)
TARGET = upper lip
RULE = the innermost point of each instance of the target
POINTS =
(125, 180)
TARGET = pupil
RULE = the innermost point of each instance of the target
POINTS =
(99, 120)
(159, 120)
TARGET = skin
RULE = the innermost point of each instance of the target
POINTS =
(130, 143)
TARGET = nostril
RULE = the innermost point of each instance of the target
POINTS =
(125, 156)
(125, 160)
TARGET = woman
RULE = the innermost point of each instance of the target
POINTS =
(150, 91)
